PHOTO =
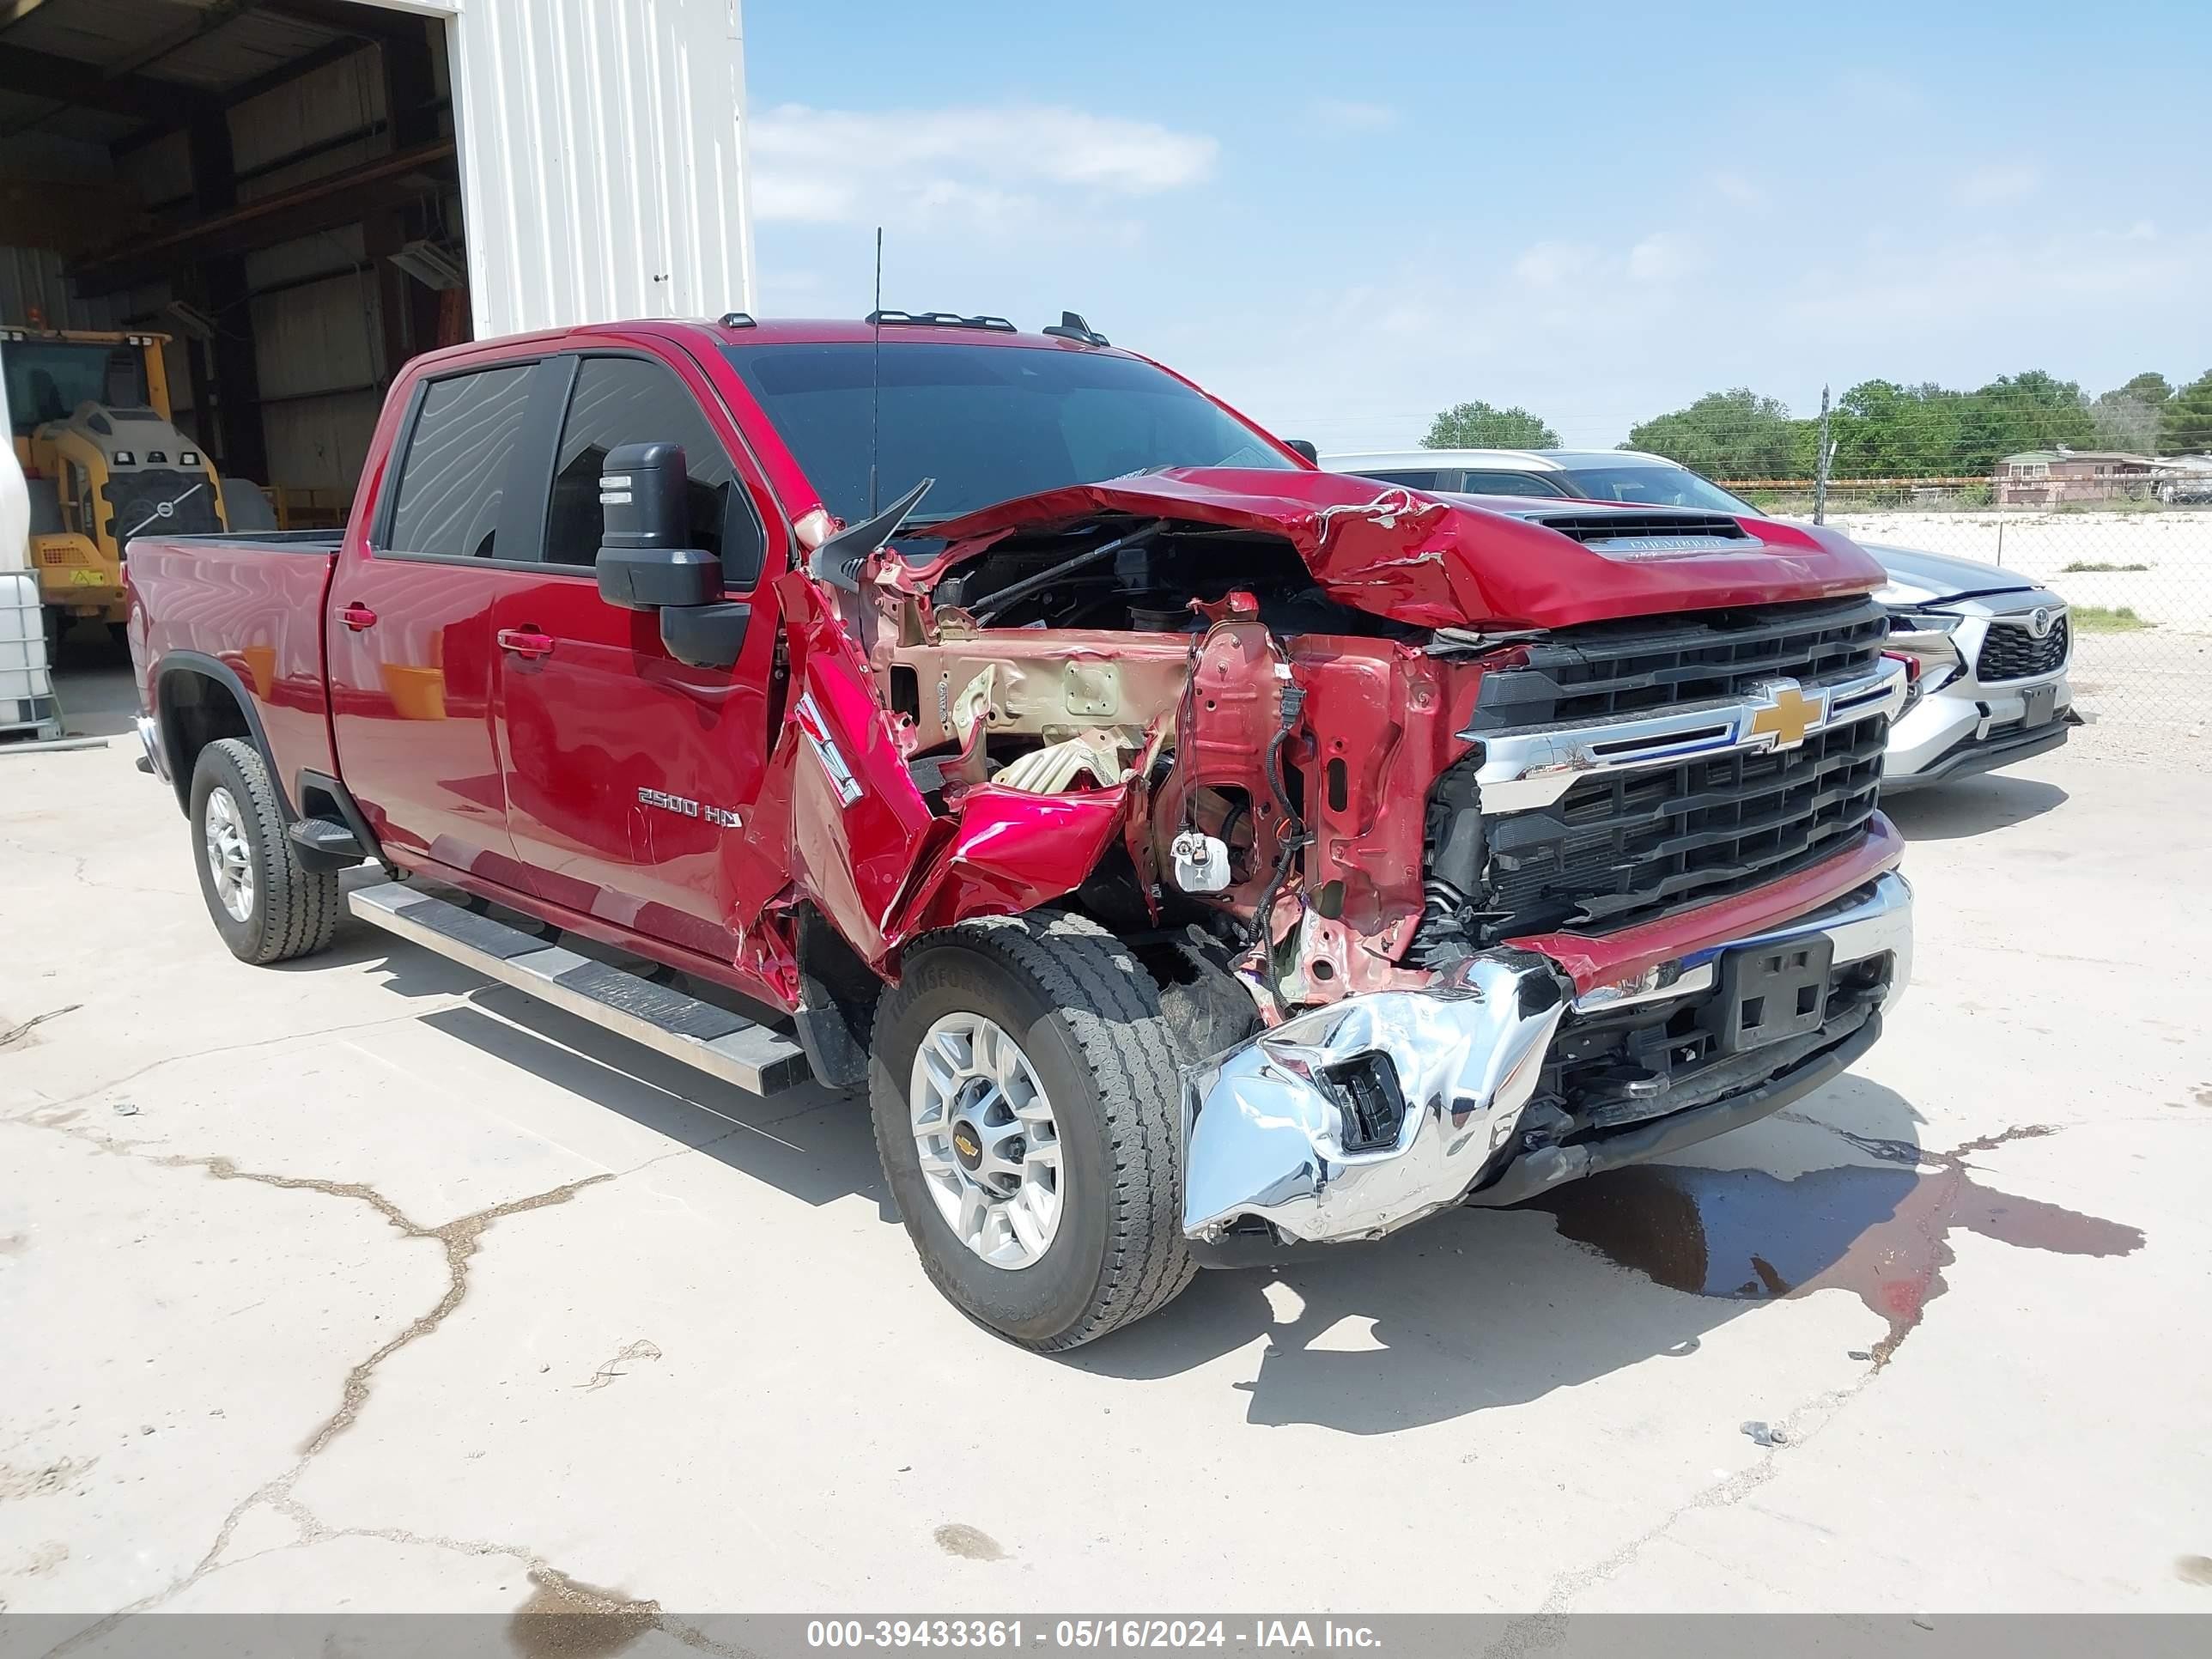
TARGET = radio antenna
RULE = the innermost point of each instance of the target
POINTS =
(876, 376)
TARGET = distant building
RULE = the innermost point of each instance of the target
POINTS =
(2050, 477)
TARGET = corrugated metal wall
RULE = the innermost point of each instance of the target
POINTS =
(601, 150)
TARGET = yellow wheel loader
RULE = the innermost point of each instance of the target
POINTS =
(91, 419)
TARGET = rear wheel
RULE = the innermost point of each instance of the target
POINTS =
(1026, 1098)
(266, 906)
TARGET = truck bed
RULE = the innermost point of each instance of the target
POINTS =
(219, 607)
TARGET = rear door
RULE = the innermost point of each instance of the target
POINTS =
(629, 775)
(411, 659)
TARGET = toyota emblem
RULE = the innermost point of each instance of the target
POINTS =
(2039, 621)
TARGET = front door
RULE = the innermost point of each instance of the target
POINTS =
(413, 672)
(630, 776)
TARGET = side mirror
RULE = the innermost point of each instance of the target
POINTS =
(1305, 447)
(643, 564)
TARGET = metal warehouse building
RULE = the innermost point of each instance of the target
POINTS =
(306, 193)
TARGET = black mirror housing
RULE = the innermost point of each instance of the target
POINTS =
(651, 578)
(642, 496)
(1305, 447)
(643, 563)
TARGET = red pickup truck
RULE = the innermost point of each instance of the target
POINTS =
(1196, 855)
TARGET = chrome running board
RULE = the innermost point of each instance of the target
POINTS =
(753, 1057)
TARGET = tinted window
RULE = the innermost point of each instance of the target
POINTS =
(1505, 483)
(1654, 486)
(628, 400)
(989, 422)
(455, 473)
(48, 378)
(1424, 478)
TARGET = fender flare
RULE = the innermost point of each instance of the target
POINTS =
(173, 663)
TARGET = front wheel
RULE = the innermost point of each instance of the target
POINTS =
(1026, 1101)
(267, 906)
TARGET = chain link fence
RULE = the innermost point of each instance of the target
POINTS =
(2132, 561)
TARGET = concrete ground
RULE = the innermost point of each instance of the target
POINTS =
(356, 1284)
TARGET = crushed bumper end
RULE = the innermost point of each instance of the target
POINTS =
(1350, 1122)
(1293, 1129)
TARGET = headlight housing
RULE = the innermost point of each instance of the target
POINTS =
(1925, 637)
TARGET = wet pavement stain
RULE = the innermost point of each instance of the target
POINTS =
(1881, 1231)
(566, 1619)
(959, 1538)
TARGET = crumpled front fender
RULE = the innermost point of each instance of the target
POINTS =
(1265, 1126)
(1012, 851)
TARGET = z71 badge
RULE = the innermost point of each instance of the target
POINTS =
(688, 808)
(808, 718)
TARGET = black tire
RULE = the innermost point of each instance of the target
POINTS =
(1086, 1014)
(291, 911)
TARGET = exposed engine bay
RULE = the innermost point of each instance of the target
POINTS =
(1250, 720)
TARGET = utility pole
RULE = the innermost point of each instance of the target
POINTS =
(1821, 465)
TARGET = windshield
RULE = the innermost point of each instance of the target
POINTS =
(987, 423)
(1654, 486)
(48, 378)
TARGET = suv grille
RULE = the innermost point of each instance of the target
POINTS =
(2009, 652)
(1618, 668)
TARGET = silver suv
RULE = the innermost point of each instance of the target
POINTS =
(1988, 651)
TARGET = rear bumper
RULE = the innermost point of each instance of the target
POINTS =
(1353, 1121)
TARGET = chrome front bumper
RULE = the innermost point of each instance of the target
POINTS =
(1265, 1126)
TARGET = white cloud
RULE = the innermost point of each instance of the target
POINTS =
(1996, 185)
(1343, 115)
(1735, 187)
(977, 165)
(1552, 265)
(1664, 257)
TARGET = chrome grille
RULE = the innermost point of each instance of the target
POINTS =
(1623, 847)
(1616, 668)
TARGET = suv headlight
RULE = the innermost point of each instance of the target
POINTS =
(1925, 636)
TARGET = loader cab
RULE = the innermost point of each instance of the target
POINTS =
(89, 414)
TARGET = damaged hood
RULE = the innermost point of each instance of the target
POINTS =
(1439, 562)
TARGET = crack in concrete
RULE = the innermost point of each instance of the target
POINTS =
(131, 1077)
(1548, 1627)
(563, 1611)
(15, 1034)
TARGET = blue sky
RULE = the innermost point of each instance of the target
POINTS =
(1343, 219)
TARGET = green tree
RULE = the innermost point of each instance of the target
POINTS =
(1729, 435)
(1884, 430)
(2185, 420)
(2014, 412)
(1479, 425)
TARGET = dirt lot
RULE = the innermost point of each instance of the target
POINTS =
(360, 1284)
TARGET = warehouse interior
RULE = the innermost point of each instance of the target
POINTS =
(272, 183)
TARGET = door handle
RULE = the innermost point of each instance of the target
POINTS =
(526, 642)
(357, 617)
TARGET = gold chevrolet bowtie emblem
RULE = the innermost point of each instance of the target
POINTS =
(1787, 716)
